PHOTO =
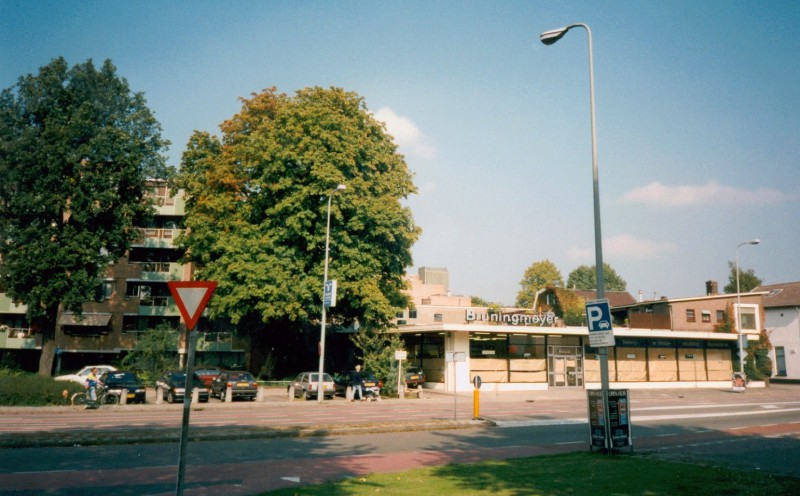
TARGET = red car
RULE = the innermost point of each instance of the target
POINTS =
(208, 374)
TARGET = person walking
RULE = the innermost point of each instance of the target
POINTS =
(356, 381)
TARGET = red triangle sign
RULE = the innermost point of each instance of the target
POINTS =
(191, 298)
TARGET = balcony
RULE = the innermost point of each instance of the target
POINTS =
(154, 237)
(19, 339)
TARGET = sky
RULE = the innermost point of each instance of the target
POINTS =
(697, 117)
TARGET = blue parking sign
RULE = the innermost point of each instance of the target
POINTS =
(598, 318)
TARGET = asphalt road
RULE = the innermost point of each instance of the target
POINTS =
(758, 430)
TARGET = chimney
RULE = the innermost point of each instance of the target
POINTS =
(711, 288)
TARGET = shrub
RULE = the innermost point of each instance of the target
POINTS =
(24, 389)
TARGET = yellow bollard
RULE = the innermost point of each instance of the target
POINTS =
(476, 404)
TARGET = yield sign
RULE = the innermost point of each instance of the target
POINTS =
(191, 298)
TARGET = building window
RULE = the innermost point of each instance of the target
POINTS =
(399, 315)
(746, 314)
(720, 315)
(437, 317)
(690, 315)
(412, 314)
(706, 316)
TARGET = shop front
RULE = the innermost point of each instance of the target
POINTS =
(518, 358)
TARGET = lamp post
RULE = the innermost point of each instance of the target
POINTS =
(548, 38)
(739, 305)
(320, 392)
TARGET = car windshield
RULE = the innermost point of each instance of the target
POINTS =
(325, 377)
(242, 376)
(179, 378)
(126, 377)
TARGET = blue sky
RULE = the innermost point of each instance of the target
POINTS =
(698, 113)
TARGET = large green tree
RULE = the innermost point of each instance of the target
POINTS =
(76, 146)
(539, 275)
(257, 208)
(747, 279)
(585, 277)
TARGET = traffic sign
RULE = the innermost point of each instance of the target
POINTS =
(476, 382)
(329, 293)
(191, 298)
(598, 318)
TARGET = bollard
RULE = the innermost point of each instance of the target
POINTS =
(291, 393)
(476, 404)
(401, 391)
(260, 394)
(348, 393)
(123, 397)
(229, 394)
(195, 395)
(159, 396)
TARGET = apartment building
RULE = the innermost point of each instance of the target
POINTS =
(131, 300)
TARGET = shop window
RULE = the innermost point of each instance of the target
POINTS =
(484, 345)
(690, 315)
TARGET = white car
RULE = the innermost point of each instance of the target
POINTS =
(80, 376)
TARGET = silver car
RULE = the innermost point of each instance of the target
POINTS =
(306, 383)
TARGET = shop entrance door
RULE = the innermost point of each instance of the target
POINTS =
(565, 366)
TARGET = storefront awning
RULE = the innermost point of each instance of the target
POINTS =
(86, 319)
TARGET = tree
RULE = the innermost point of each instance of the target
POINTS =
(257, 208)
(539, 275)
(747, 280)
(154, 353)
(76, 147)
(585, 277)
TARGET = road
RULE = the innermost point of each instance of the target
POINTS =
(758, 430)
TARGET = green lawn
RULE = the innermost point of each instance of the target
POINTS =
(573, 474)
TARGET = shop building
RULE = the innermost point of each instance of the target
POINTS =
(668, 343)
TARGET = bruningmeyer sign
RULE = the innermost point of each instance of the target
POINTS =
(511, 318)
(598, 318)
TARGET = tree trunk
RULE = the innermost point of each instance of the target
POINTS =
(47, 327)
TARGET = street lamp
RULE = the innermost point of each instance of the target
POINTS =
(548, 38)
(320, 391)
(739, 305)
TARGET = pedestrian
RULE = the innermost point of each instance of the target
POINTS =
(356, 381)
(91, 388)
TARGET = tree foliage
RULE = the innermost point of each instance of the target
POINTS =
(539, 275)
(585, 277)
(257, 209)
(747, 280)
(76, 147)
(155, 352)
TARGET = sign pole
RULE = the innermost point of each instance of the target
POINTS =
(191, 297)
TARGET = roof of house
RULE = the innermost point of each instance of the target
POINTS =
(615, 298)
(781, 295)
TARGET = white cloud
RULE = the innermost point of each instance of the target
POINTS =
(406, 134)
(657, 194)
(624, 247)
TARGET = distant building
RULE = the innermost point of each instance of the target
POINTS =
(782, 309)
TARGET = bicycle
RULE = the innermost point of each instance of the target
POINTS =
(104, 397)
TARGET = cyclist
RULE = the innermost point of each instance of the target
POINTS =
(91, 389)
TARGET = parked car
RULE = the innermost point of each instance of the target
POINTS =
(80, 376)
(414, 376)
(208, 374)
(172, 386)
(306, 385)
(242, 384)
(117, 381)
(344, 380)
